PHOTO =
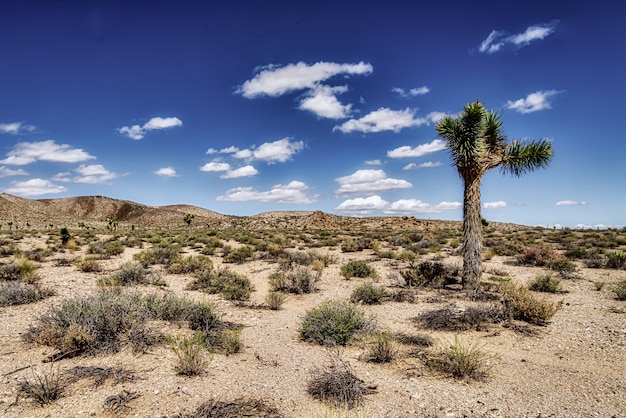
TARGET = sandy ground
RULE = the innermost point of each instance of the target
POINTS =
(573, 367)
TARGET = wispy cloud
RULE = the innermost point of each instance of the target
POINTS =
(427, 164)
(294, 192)
(137, 132)
(89, 174)
(385, 119)
(369, 181)
(34, 187)
(7, 172)
(15, 128)
(533, 102)
(166, 172)
(271, 152)
(571, 203)
(28, 152)
(498, 40)
(418, 91)
(215, 166)
(373, 162)
(245, 171)
(494, 205)
(420, 150)
(375, 204)
(322, 101)
(276, 81)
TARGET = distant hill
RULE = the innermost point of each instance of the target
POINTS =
(93, 211)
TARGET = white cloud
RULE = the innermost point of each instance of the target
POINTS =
(570, 203)
(294, 192)
(7, 172)
(420, 150)
(166, 172)
(215, 166)
(369, 181)
(533, 102)
(385, 119)
(427, 164)
(34, 187)
(495, 205)
(276, 81)
(246, 171)
(418, 91)
(372, 204)
(373, 162)
(89, 174)
(322, 101)
(137, 132)
(271, 152)
(15, 128)
(28, 152)
(497, 40)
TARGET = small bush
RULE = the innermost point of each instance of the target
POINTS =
(539, 256)
(240, 255)
(382, 348)
(368, 293)
(227, 341)
(215, 408)
(190, 351)
(420, 340)
(616, 260)
(229, 284)
(429, 274)
(545, 283)
(19, 293)
(21, 269)
(620, 290)
(189, 265)
(158, 255)
(114, 248)
(274, 300)
(523, 305)
(130, 273)
(451, 318)
(357, 268)
(333, 322)
(461, 359)
(89, 265)
(300, 280)
(44, 388)
(337, 385)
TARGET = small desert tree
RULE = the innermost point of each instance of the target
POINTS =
(477, 144)
(188, 218)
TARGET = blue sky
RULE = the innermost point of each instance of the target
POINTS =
(247, 107)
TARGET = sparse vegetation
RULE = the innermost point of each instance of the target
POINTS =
(546, 283)
(368, 293)
(357, 268)
(191, 354)
(523, 305)
(19, 293)
(298, 280)
(461, 359)
(620, 290)
(334, 322)
(229, 284)
(44, 387)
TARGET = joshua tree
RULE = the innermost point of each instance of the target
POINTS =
(188, 218)
(477, 144)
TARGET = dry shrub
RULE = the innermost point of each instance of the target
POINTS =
(452, 318)
(382, 348)
(429, 274)
(337, 384)
(274, 300)
(191, 354)
(19, 293)
(521, 304)
(420, 340)
(100, 374)
(44, 388)
(214, 408)
(545, 283)
(461, 359)
(539, 256)
(334, 322)
(298, 280)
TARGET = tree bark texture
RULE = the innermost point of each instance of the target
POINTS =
(472, 232)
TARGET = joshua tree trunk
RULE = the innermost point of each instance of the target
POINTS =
(472, 232)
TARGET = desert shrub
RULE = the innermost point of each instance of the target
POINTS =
(44, 388)
(333, 322)
(357, 268)
(299, 258)
(521, 304)
(7, 249)
(616, 260)
(113, 248)
(429, 274)
(20, 269)
(202, 316)
(19, 293)
(229, 284)
(420, 340)
(274, 300)
(190, 264)
(89, 265)
(368, 293)
(225, 340)
(299, 280)
(239, 255)
(191, 354)
(539, 256)
(337, 384)
(462, 359)
(97, 248)
(218, 408)
(158, 255)
(620, 290)
(545, 283)
(38, 254)
(99, 374)
(595, 261)
(451, 318)
(382, 348)
(128, 274)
